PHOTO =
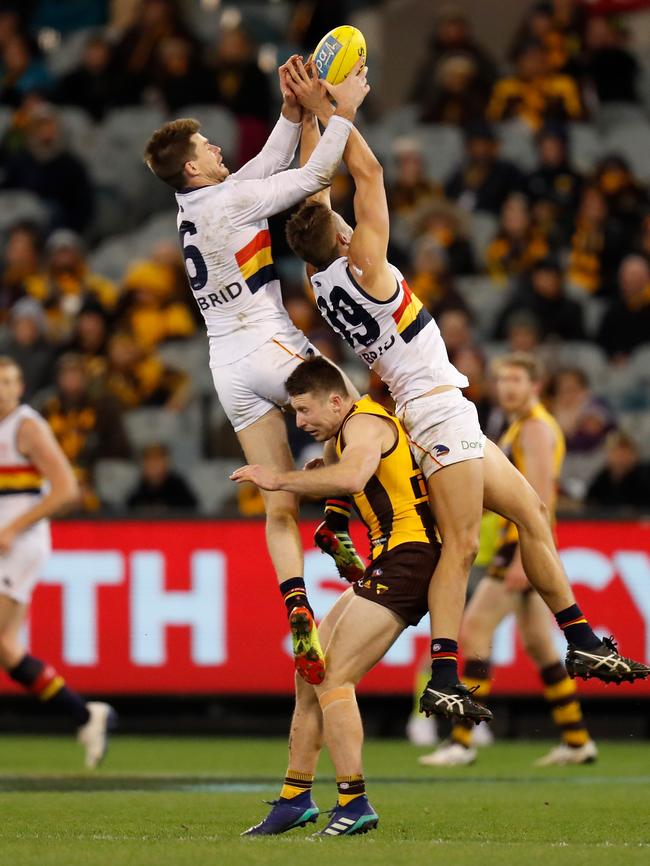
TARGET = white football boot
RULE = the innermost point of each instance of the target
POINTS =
(561, 755)
(482, 735)
(93, 736)
(421, 731)
(449, 755)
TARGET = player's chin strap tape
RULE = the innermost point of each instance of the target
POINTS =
(332, 696)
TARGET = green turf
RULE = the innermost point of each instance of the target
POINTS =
(172, 802)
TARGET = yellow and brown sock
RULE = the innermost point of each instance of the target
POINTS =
(476, 674)
(349, 788)
(47, 685)
(296, 783)
(560, 692)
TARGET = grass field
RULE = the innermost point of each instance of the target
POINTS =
(172, 802)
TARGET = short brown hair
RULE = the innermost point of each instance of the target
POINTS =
(311, 234)
(169, 148)
(523, 361)
(316, 375)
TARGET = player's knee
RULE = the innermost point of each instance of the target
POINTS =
(462, 543)
(281, 515)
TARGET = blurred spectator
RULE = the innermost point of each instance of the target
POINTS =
(431, 279)
(642, 231)
(452, 38)
(160, 487)
(46, 168)
(522, 333)
(608, 66)
(22, 260)
(554, 186)
(482, 181)
(92, 84)
(411, 189)
(150, 308)
(456, 329)
(534, 94)
(597, 244)
(626, 199)
(135, 53)
(302, 311)
(459, 95)
(179, 77)
(539, 26)
(584, 418)
(518, 243)
(236, 82)
(25, 343)
(626, 323)
(542, 295)
(21, 70)
(471, 362)
(87, 429)
(90, 339)
(136, 377)
(624, 481)
(447, 227)
(67, 283)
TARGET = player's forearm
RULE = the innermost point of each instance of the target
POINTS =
(336, 480)
(358, 157)
(52, 504)
(309, 137)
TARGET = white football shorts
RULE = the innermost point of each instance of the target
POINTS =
(22, 566)
(254, 384)
(443, 429)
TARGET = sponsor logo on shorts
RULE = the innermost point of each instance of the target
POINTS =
(440, 450)
(465, 445)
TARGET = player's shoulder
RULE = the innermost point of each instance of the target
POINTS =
(538, 429)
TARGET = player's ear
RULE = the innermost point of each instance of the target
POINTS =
(190, 168)
(343, 239)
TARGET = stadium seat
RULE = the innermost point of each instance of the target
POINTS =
(587, 356)
(114, 480)
(483, 227)
(611, 115)
(585, 146)
(620, 387)
(518, 144)
(442, 148)
(579, 470)
(180, 431)
(192, 357)
(68, 53)
(18, 206)
(485, 300)
(631, 140)
(210, 480)
(637, 425)
(217, 124)
(79, 131)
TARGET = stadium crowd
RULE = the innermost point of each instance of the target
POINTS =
(518, 192)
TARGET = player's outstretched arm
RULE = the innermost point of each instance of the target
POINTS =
(364, 435)
(36, 441)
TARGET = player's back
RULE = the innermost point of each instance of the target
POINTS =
(20, 481)
(397, 338)
(230, 271)
(394, 504)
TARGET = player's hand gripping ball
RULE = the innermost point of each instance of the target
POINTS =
(338, 52)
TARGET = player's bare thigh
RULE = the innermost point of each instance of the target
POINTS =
(506, 491)
(488, 607)
(363, 633)
(264, 442)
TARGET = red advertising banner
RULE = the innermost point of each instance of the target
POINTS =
(191, 607)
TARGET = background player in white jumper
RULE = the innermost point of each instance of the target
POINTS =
(36, 481)
(222, 222)
(368, 302)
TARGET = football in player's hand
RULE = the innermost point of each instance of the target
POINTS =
(338, 52)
